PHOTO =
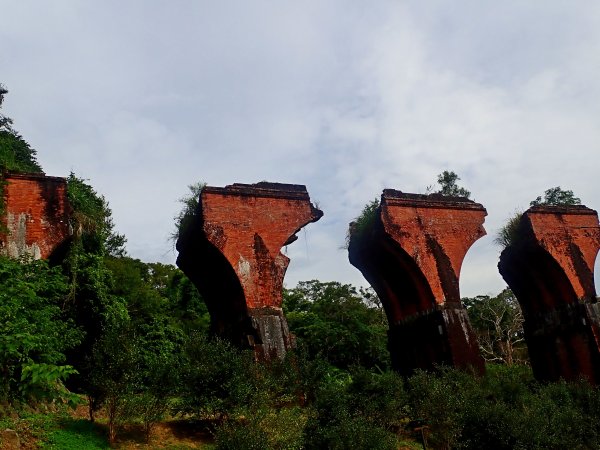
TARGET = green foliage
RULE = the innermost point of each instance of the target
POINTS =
(364, 412)
(45, 382)
(159, 377)
(188, 309)
(15, 153)
(131, 281)
(115, 375)
(509, 233)
(344, 326)
(191, 205)
(92, 219)
(364, 221)
(447, 181)
(5, 122)
(34, 334)
(267, 428)
(505, 409)
(247, 435)
(557, 197)
(215, 377)
(131, 370)
(158, 292)
(55, 430)
(439, 401)
(92, 304)
(76, 434)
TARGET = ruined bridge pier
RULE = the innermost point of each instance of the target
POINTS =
(550, 268)
(411, 253)
(36, 215)
(231, 251)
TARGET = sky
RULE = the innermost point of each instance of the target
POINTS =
(143, 98)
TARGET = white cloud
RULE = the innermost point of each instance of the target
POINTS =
(144, 98)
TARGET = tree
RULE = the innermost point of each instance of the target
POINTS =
(115, 359)
(92, 219)
(344, 325)
(447, 181)
(15, 153)
(91, 304)
(498, 323)
(557, 197)
(5, 122)
(34, 334)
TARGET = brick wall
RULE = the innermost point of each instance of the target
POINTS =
(36, 215)
(412, 254)
(550, 268)
(232, 253)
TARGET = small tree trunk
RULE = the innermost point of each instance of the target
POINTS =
(147, 431)
(91, 408)
(509, 353)
(112, 412)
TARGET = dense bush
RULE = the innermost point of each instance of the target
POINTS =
(34, 333)
(505, 409)
(361, 410)
(363, 221)
(344, 325)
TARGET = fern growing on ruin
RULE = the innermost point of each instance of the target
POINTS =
(363, 221)
(190, 209)
(509, 233)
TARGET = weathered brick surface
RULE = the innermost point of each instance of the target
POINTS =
(232, 253)
(550, 268)
(36, 215)
(412, 254)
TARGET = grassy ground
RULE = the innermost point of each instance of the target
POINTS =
(72, 431)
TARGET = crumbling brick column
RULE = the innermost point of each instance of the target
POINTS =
(550, 268)
(411, 252)
(232, 253)
(36, 215)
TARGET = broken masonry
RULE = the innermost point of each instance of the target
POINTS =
(411, 252)
(550, 268)
(231, 251)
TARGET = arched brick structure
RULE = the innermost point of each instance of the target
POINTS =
(231, 252)
(550, 268)
(36, 215)
(412, 254)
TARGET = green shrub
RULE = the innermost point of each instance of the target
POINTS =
(380, 397)
(364, 220)
(440, 400)
(34, 334)
(190, 210)
(215, 378)
(265, 428)
(506, 409)
(233, 435)
(365, 411)
(509, 233)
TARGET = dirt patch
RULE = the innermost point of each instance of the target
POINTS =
(170, 434)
